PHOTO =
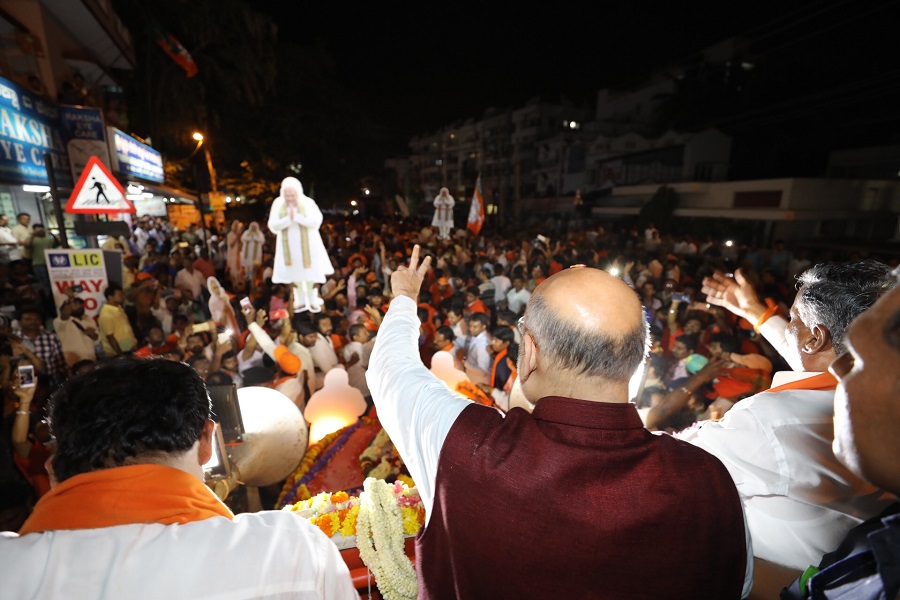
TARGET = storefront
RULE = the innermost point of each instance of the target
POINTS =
(29, 132)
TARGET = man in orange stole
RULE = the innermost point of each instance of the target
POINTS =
(132, 436)
(583, 497)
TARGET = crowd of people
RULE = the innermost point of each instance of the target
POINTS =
(726, 341)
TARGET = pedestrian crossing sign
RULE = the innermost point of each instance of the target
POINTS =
(97, 191)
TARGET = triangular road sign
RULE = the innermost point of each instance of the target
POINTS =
(97, 191)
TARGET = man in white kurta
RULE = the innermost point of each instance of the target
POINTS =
(300, 255)
(799, 499)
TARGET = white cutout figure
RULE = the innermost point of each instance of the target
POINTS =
(335, 406)
(443, 213)
(300, 255)
(252, 242)
(443, 367)
(220, 308)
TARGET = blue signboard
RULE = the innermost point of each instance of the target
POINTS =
(85, 136)
(28, 129)
(82, 123)
(131, 157)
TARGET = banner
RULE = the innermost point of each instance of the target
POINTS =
(476, 212)
(85, 268)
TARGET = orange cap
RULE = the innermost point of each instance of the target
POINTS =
(288, 362)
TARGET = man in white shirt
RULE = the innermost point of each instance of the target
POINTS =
(77, 332)
(502, 283)
(777, 445)
(306, 339)
(138, 483)
(518, 296)
(191, 279)
(23, 232)
(9, 246)
(477, 355)
(360, 344)
(142, 235)
(323, 354)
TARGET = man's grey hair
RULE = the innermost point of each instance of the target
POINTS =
(832, 295)
(581, 351)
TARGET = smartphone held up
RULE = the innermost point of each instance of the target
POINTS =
(26, 376)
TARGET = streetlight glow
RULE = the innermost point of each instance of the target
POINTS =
(197, 136)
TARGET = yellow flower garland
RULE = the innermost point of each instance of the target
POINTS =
(337, 514)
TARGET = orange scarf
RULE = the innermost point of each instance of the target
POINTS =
(512, 376)
(122, 496)
(823, 382)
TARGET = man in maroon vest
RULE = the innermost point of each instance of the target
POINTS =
(573, 500)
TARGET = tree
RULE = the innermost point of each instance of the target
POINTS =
(660, 209)
(268, 106)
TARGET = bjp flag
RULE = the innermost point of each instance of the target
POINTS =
(476, 212)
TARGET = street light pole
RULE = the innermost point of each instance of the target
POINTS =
(212, 182)
(200, 207)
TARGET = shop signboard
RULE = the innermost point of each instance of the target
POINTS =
(133, 158)
(85, 268)
(85, 136)
(29, 129)
(216, 200)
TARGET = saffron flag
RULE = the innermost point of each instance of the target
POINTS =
(476, 212)
(174, 49)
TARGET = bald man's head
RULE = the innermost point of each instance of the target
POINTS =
(588, 322)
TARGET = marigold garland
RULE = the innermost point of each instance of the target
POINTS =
(337, 514)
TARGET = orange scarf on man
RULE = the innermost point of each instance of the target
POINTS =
(823, 382)
(123, 496)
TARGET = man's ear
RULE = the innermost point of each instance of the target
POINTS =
(818, 340)
(205, 449)
(529, 358)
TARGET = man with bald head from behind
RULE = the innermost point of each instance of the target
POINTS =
(575, 498)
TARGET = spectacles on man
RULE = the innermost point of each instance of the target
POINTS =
(523, 331)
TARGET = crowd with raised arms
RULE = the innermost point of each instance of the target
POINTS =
(724, 321)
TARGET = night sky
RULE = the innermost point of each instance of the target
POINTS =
(429, 66)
